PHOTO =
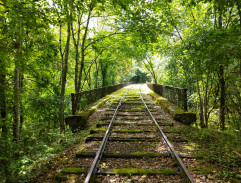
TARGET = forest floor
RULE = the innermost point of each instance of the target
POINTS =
(217, 154)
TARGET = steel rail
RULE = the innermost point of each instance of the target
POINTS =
(95, 163)
(171, 148)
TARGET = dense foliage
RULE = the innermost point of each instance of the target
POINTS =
(50, 49)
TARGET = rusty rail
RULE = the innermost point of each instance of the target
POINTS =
(82, 99)
(175, 95)
(174, 154)
(95, 163)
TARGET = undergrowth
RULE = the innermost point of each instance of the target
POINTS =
(20, 161)
(220, 148)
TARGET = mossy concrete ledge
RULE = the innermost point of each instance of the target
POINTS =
(176, 112)
(79, 121)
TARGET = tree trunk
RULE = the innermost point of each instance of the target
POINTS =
(239, 13)
(222, 98)
(201, 105)
(222, 84)
(97, 74)
(103, 67)
(205, 102)
(16, 89)
(3, 108)
(151, 69)
(89, 81)
(16, 103)
(76, 41)
(83, 51)
(63, 80)
(87, 74)
(21, 103)
(79, 71)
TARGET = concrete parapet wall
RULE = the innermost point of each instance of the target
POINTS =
(176, 112)
(79, 121)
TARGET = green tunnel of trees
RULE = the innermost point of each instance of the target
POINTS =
(49, 49)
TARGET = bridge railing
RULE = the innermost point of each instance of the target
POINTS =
(82, 99)
(175, 95)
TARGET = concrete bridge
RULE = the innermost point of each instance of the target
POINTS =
(134, 151)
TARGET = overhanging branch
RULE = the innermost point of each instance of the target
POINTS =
(115, 33)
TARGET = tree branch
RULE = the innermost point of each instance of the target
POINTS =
(103, 38)
(93, 61)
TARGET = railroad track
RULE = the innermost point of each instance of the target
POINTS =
(132, 141)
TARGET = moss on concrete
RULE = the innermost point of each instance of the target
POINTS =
(139, 171)
(79, 121)
(59, 177)
(143, 124)
(144, 154)
(134, 154)
(85, 153)
(71, 178)
(132, 110)
(99, 130)
(201, 170)
(132, 131)
(175, 111)
(76, 122)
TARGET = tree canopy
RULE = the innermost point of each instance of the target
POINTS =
(52, 48)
